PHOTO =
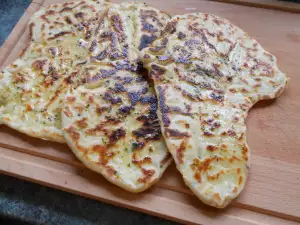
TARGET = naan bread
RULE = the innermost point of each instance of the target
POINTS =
(110, 123)
(33, 87)
(126, 29)
(208, 73)
(114, 130)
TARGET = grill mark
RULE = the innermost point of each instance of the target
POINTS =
(107, 73)
(100, 110)
(217, 97)
(116, 135)
(179, 110)
(240, 180)
(152, 100)
(57, 92)
(101, 55)
(125, 80)
(115, 55)
(68, 20)
(149, 119)
(188, 95)
(137, 145)
(152, 123)
(24, 50)
(111, 120)
(175, 133)
(93, 131)
(164, 59)
(73, 134)
(148, 133)
(170, 27)
(215, 176)
(206, 164)
(104, 157)
(146, 160)
(207, 72)
(53, 51)
(39, 64)
(119, 88)
(148, 27)
(19, 78)
(53, 73)
(245, 152)
(114, 40)
(217, 71)
(109, 97)
(79, 15)
(127, 66)
(68, 112)
(59, 35)
(70, 8)
(182, 59)
(82, 123)
(191, 80)
(203, 37)
(56, 23)
(65, 9)
(71, 99)
(267, 68)
(88, 32)
(69, 79)
(212, 148)
(165, 160)
(102, 75)
(156, 72)
(180, 152)
(208, 134)
(163, 106)
(134, 97)
(31, 25)
(145, 25)
(181, 35)
(191, 43)
(93, 46)
(146, 41)
(147, 174)
(159, 48)
(117, 24)
(43, 17)
(125, 110)
(197, 177)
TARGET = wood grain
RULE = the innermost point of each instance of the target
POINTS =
(260, 178)
(267, 4)
(273, 188)
(157, 201)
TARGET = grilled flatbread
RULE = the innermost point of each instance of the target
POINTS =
(208, 73)
(110, 123)
(124, 32)
(114, 130)
(32, 88)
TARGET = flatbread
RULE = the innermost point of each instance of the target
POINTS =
(126, 29)
(110, 123)
(33, 87)
(208, 73)
(114, 130)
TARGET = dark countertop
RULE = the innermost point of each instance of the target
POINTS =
(23, 202)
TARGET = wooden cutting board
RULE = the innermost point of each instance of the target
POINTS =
(272, 193)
